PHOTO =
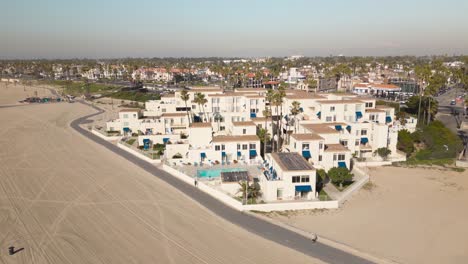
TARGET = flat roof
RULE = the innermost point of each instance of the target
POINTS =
(320, 128)
(291, 161)
(242, 138)
(173, 114)
(130, 110)
(308, 136)
(199, 124)
(335, 148)
(352, 101)
(243, 123)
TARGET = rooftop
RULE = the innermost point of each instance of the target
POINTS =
(199, 124)
(244, 123)
(320, 128)
(353, 101)
(291, 161)
(235, 138)
(308, 136)
(335, 148)
(130, 110)
(173, 114)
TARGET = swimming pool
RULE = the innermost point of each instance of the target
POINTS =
(214, 173)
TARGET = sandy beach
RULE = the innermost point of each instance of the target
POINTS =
(409, 216)
(66, 199)
(11, 93)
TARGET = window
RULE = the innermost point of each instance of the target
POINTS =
(332, 109)
(334, 118)
(363, 132)
(344, 143)
(328, 119)
(341, 156)
(238, 146)
(244, 131)
(320, 145)
(305, 178)
(279, 193)
(357, 142)
(252, 146)
(372, 117)
(194, 106)
(334, 157)
(296, 179)
(125, 124)
(305, 146)
(244, 146)
(223, 147)
(134, 115)
(222, 128)
(163, 110)
(217, 148)
(125, 115)
(369, 104)
(320, 157)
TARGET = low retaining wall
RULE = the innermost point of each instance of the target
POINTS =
(231, 202)
(99, 134)
(137, 154)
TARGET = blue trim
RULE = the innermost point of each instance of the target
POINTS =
(253, 153)
(342, 164)
(165, 140)
(348, 128)
(253, 115)
(301, 109)
(203, 155)
(358, 114)
(126, 129)
(303, 188)
(338, 127)
(388, 119)
(306, 154)
(223, 154)
(239, 154)
(319, 114)
(364, 140)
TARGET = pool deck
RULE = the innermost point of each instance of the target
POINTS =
(191, 170)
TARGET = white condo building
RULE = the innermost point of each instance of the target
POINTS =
(329, 130)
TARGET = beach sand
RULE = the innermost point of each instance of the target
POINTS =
(11, 93)
(409, 216)
(66, 199)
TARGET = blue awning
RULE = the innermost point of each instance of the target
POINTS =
(253, 153)
(126, 129)
(239, 154)
(223, 154)
(318, 114)
(301, 109)
(338, 127)
(388, 119)
(348, 128)
(165, 140)
(203, 155)
(303, 188)
(342, 164)
(358, 114)
(364, 140)
(253, 115)
(306, 154)
(146, 141)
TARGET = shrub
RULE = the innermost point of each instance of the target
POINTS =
(177, 156)
(340, 175)
(405, 142)
(383, 152)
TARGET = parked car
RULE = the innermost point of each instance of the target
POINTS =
(453, 102)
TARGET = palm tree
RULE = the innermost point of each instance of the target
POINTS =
(295, 110)
(266, 114)
(184, 95)
(249, 191)
(422, 74)
(270, 98)
(312, 84)
(280, 94)
(201, 101)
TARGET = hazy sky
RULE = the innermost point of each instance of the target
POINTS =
(153, 28)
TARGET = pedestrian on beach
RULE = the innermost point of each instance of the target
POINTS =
(196, 183)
